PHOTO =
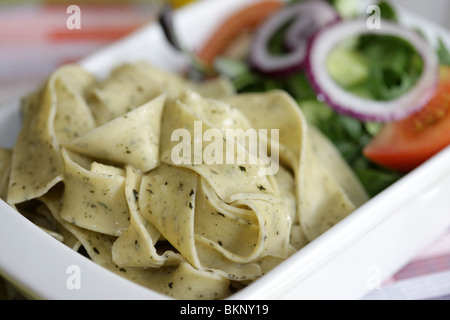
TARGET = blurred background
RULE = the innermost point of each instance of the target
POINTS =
(34, 38)
(435, 10)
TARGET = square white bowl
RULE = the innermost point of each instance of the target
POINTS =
(346, 262)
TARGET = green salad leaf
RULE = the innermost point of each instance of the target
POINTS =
(394, 65)
(387, 11)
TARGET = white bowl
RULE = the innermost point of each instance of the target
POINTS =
(346, 262)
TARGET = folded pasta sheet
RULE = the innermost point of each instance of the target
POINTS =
(187, 188)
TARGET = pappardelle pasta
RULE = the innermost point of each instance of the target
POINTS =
(93, 166)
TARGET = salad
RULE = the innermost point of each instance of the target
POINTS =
(381, 95)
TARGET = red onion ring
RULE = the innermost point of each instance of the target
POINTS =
(306, 17)
(364, 109)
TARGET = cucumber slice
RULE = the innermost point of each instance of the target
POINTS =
(347, 67)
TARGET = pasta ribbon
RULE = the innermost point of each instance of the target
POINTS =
(130, 139)
(36, 160)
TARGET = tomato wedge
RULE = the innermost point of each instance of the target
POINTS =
(406, 144)
(247, 18)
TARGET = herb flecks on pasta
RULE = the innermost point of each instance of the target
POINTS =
(92, 166)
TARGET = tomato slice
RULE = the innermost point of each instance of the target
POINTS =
(406, 144)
